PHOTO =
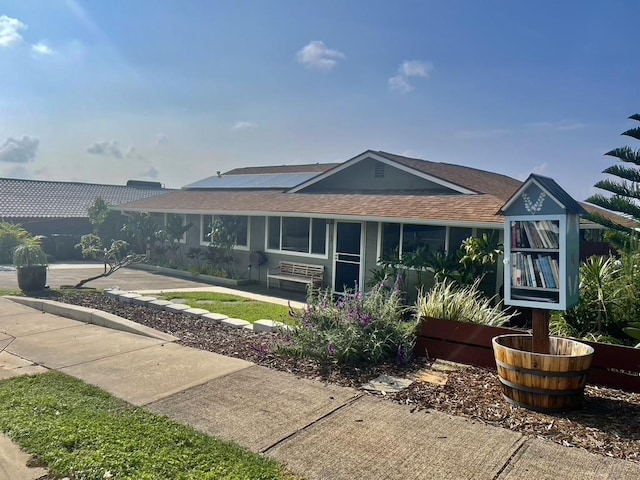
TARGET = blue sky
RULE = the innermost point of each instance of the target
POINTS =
(174, 91)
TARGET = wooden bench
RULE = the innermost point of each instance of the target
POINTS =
(297, 272)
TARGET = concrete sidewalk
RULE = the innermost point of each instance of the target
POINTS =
(318, 431)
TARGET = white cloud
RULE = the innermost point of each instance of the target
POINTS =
(542, 169)
(106, 148)
(10, 31)
(478, 134)
(415, 68)
(41, 48)
(151, 172)
(244, 125)
(400, 84)
(133, 154)
(16, 150)
(561, 126)
(408, 69)
(161, 139)
(317, 56)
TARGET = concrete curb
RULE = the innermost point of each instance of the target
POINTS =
(93, 316)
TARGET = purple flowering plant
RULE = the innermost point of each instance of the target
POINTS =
(354, 328)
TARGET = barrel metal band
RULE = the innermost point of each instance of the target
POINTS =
(542, 391)
(540, 373)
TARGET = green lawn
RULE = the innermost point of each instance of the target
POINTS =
(82, 432)
(234, 306)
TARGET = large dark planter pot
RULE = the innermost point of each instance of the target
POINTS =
(544, 382)
(32, 279)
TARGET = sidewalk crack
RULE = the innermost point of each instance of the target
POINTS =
(522, 447)
(265, 451)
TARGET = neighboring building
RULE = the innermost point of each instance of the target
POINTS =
(342, 216)
(61, 208)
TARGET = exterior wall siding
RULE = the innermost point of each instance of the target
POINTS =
(361, 176)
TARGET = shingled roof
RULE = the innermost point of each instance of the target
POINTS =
(46, 199)
(481, 181)
(444, 209)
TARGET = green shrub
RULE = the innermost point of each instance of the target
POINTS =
(449, 301)
(609, 300)
(357, 328)
(11, 235)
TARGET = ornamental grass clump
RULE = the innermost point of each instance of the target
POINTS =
(354, 329)
(449, 301)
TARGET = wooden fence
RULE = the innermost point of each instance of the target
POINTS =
(612, 366)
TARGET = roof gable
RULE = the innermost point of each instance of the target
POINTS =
(542, 196)
(441, 183)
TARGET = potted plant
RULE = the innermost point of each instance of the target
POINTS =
(31, 263)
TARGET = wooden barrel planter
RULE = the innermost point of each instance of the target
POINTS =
(545, 382)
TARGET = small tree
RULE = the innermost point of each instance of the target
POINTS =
(625, 189)
(222, 239)
(114, 257)
(107, 224)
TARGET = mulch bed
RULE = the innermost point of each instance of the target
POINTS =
(609, 423)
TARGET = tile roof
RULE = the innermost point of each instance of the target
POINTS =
(38, 199)
(481, 181)
(470, 209)
(304, 168)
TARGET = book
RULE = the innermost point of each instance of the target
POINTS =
(542, 232)
(555, 270)
(538, 268)
(545, 262)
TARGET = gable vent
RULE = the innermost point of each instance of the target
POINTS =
(379, 170)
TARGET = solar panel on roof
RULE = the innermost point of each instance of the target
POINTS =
(253, 181)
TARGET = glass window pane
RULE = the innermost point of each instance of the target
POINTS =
(456, 237)
(205, 225)
(273, 233)
(390, 240)
(242, 230)
(295, 234)
(414, 236)
(236, 225)
(319, 236)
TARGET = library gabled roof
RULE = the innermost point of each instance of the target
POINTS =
(547, 187)
(45, 199)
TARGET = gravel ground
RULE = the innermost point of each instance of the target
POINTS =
(609, 423)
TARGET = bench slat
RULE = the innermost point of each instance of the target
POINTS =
(298, 272)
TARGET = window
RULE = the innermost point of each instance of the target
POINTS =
(175, 224)
(415, 236)
(297, 234)
(401, 239)
(205, 228)
(458, 235)
(235, 224)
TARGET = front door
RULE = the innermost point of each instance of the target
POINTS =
(347, 256)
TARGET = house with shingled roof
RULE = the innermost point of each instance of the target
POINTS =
(60, 209)
(343, 217)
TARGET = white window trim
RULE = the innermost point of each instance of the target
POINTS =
(295, 253)
(244, 248)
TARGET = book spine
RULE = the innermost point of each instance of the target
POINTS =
(538, 269)
(555, 270)
(532, 272)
